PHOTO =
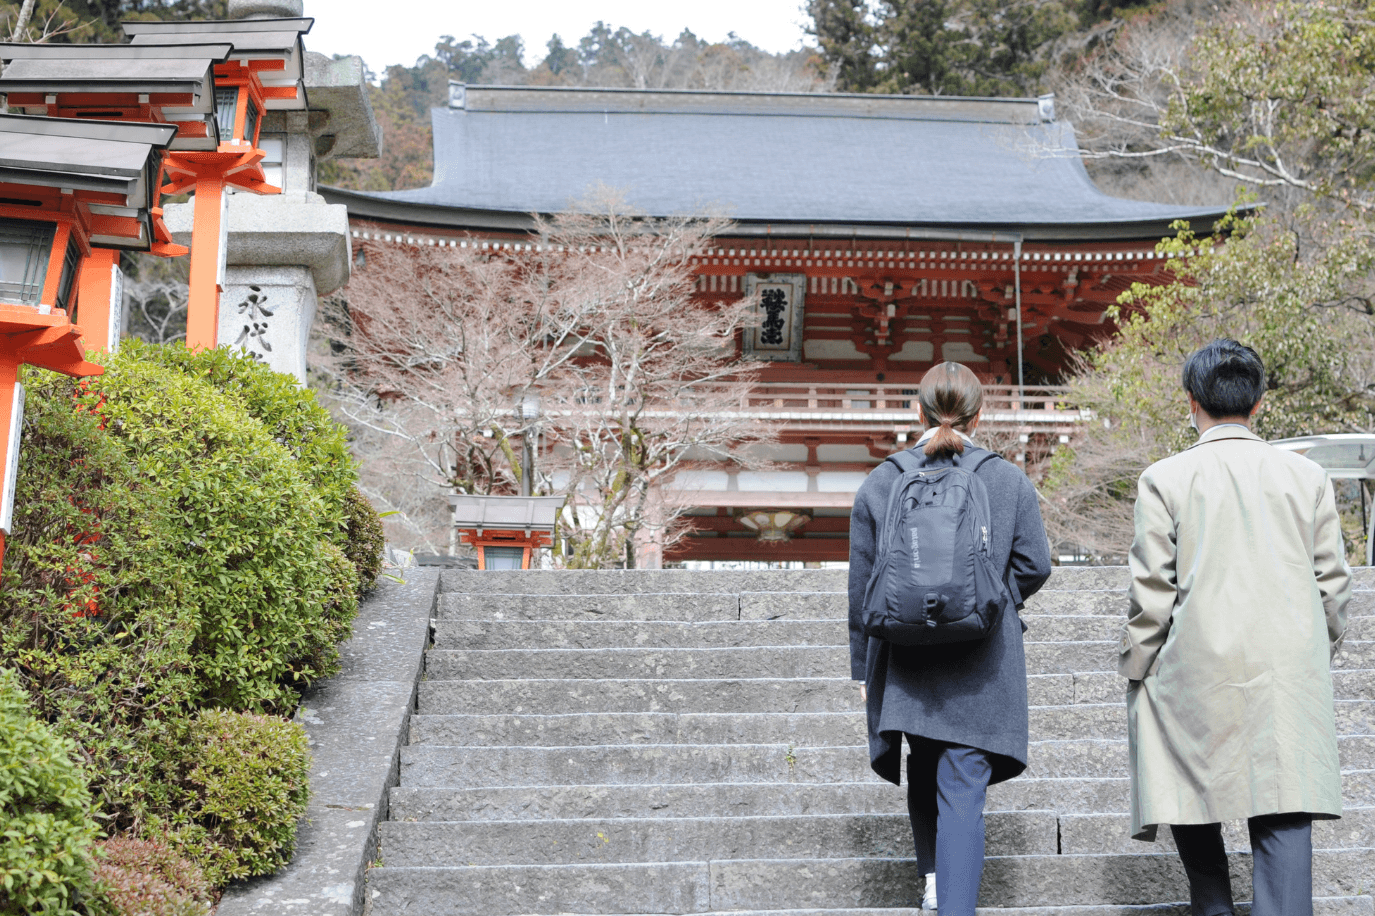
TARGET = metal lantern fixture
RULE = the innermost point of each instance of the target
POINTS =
(774, 526)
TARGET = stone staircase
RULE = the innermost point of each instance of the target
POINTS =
(655, 742)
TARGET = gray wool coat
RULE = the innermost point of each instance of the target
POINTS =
(970, 693)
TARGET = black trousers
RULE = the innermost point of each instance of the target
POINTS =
(1282, 858)
(946, 788)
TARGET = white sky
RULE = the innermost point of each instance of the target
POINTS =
(373, 30)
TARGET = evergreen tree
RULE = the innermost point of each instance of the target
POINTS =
(847, 36)
(949, 47)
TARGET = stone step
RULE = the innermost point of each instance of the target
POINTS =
(862, 835)
(1108, 756)
(1102, 720)
(628, 840)
(755, 662)
(819, 729)
(640, 581)
(721, 799)
(1065, 796)
(1111, 833)
(1114, 603)
(560, 696)
(720, 634)
(703, 606)
(623, 581)
(1355, 654)
(647, 634)
(748, 662)
(1073, 627)
(686, 606)
(427, 765)
(586, 695)
(556, 696)
(1322, 906)
(801, 729)
(815, 884)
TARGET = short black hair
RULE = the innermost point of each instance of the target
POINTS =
(1225, 377)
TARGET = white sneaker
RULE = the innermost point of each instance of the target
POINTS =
(928, 899)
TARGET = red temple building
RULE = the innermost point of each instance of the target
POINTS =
(886, 233)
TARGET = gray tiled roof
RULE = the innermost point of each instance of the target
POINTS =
(955, 163)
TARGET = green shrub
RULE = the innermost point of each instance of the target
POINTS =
(169, 555)
(248, 784)
(366, 539)
(88, 527)
(145, 878)
(46, 828)
(250, 533)
(295, 419)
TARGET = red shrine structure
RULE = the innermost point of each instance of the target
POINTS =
(69, 190)
(211, 81)
(884, 234)
(94, 137)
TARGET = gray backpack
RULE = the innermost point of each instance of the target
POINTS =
(933, 579)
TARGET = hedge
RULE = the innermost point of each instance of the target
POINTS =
(46, 830)
(185, 558)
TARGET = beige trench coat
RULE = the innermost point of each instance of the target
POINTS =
(1238, 603)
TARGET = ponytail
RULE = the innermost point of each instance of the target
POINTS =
(945, 442)
(950, 397)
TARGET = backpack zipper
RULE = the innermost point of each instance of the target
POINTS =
(984, 528)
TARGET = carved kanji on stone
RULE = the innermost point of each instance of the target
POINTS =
(253, 308)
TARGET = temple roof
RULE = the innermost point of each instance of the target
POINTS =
(268, 40)
(859, 161)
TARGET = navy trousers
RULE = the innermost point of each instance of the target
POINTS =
(1282, 861)
(946, 787)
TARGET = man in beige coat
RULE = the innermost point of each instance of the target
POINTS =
(1238, 603)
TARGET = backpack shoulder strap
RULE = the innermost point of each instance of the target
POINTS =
(980, 460)
(905, 460)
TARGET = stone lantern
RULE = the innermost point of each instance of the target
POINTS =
(285, 250)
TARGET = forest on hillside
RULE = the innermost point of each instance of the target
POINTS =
(924, 47)
(95, 21)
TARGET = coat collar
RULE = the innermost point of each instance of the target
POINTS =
(932, 431)
(1227, 431)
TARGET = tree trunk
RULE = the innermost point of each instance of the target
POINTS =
(22, 22)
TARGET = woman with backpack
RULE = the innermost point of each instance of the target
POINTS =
(959, 695)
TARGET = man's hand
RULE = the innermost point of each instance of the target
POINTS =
(863, 693)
